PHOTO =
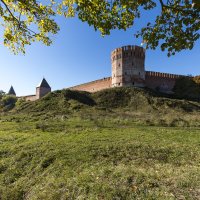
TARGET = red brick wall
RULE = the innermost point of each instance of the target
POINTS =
(163, 81)
(94, 86)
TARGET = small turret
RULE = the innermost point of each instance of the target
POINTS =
(42, 89)
(11, 91)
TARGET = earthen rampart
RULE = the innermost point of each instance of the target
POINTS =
(94, 86)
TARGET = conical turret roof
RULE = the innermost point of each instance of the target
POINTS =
(44, 84)
(12, 91)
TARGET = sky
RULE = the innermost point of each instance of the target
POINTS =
(79, 55)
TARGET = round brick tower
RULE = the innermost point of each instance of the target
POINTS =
(128, 66)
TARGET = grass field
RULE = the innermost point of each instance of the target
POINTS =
(78, 159)
(117, 144)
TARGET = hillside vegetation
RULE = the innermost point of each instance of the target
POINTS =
(125, 104)
(121, 143)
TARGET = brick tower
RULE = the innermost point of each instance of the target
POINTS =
(42, 89)
(128, 66)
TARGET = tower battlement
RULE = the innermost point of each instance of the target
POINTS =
(126, 51)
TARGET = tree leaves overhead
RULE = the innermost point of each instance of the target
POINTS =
(26, 21)
(176, 27)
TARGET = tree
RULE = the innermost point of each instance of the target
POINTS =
(176, 26)
(7, 102)
(187, 87)
(2, 93)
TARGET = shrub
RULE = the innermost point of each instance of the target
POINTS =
(8, 102)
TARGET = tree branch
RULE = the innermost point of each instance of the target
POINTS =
(175, 8)
(162, 4)
(19, 22)
(7, 8)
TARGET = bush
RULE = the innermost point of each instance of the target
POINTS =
(8, 102)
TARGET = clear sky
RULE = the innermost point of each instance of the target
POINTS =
(78, 55)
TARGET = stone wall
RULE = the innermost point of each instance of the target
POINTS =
(94, 86)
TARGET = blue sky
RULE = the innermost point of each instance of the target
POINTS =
(78, 55)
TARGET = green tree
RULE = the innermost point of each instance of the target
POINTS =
(7, 102)
(176, 26)
(187, 87)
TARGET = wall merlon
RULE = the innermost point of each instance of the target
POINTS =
(163, 75)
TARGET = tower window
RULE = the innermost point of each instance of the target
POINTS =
(133, 83)
(119, 65)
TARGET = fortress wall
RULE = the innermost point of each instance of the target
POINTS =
(30, 98)
(161, 81)
(94, 86)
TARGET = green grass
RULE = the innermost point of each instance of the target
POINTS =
(85, 161)
(121, 143)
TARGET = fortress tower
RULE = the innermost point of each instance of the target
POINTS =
(128, 66)
(42, 89)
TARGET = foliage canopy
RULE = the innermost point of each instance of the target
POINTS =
(176, 26)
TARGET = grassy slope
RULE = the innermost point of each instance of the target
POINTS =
(119, 105)
(72, 145)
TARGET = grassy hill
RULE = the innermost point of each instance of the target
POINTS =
(132, 105)
(121, 143)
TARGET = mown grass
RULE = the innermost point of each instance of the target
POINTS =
(121, 143)
(82, 160)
